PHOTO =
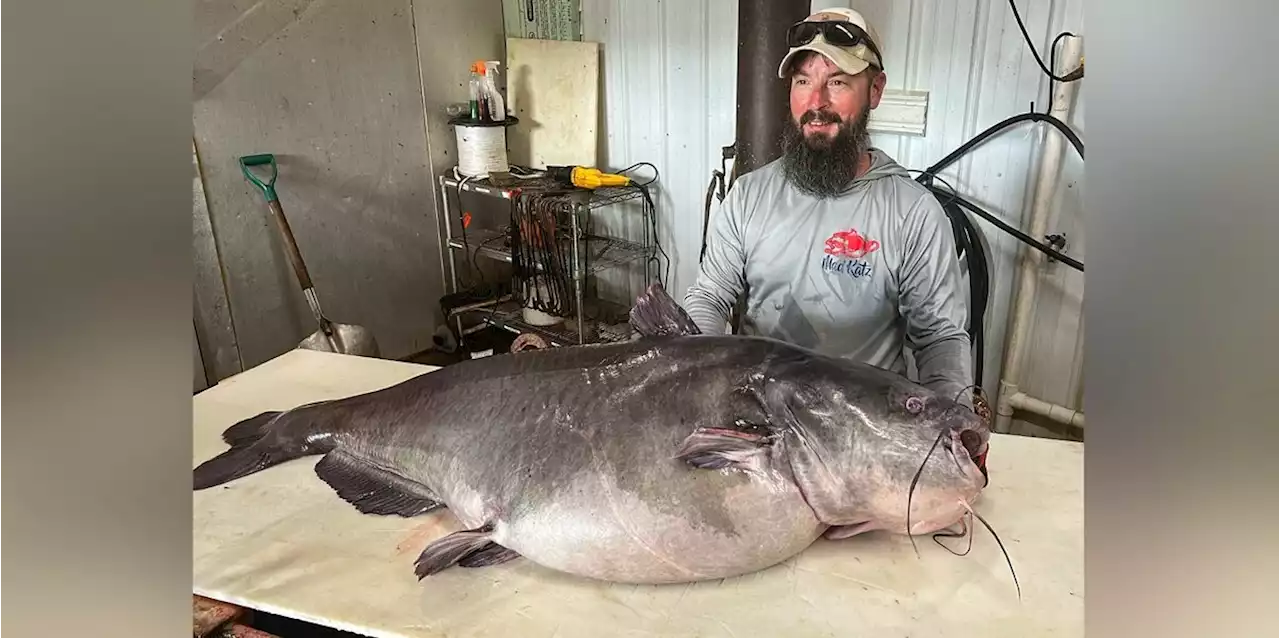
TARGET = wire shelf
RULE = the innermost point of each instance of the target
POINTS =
(592, 198)
(553, 253)
(600, 252)
(507, 315)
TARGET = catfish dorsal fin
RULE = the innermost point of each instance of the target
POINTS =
(656, 314)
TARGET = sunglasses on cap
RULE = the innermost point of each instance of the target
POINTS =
(838, 33)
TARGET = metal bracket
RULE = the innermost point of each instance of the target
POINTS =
(1059, 243)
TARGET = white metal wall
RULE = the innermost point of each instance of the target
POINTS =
(669, 77)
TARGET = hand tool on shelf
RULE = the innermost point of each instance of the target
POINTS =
(586, 177)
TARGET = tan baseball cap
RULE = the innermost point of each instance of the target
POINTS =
(851, 60)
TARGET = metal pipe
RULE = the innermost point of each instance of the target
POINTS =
(762, 97)
(578, 271)
(447, 254)
(1061, 414)
(1019, 327)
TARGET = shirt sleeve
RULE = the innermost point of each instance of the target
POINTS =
(932, 301)
(722, 274)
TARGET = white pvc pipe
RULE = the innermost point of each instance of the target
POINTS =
(1019, 327)
(1058, 413)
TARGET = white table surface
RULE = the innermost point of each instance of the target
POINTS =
(281, 541)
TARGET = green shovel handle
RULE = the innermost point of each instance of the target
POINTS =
(269, 188)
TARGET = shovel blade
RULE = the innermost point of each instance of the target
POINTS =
(353, 340)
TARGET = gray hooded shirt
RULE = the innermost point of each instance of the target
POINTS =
(860, 276)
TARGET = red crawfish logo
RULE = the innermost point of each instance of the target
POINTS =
(848, 244)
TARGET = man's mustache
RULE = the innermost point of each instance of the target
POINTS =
(819, 117)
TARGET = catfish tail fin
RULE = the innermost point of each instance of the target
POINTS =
(257, 443)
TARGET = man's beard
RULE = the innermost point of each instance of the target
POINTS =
(822, 166)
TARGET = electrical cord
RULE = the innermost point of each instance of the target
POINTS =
(970, 247)
(969, 239)
(637, 165)
(955, 155)
(928, 176)
(1016, 16)
(651, 211)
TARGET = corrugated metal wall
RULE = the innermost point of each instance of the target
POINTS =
(669, 98)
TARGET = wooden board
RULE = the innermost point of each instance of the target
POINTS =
(281, 541)
(553, 87)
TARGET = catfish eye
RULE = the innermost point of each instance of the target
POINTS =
(914, 405)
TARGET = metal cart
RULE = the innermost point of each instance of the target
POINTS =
(589, 252)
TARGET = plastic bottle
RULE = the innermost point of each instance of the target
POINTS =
(497, 106)
(476, 92)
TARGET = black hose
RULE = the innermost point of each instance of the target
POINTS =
(970, 247)
(983, 136)
(1025, 238)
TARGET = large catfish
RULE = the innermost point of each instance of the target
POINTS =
(671, 458)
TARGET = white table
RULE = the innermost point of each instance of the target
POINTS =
(282, 542)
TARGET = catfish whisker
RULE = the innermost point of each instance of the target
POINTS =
(967, 531)
(912, 489)
(971, 386)
(1002, 550)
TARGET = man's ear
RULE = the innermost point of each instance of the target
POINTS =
(877, 86)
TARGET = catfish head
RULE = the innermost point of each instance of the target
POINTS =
(861, 443)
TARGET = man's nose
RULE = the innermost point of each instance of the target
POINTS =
(818, 98)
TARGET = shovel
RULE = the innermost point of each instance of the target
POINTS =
(341, 338)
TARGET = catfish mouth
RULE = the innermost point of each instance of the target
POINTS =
(974, 445)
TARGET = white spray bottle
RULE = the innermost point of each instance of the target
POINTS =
(497, 106)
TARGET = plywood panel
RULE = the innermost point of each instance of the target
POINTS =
(332, 88)
(553, 87)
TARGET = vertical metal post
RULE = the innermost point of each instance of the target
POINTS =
(448, 248)
(651, 240)
(762, 97)
(578, 273)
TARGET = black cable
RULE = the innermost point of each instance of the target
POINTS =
(955, 155)
(652, 213)
(637, 165)
(969, 246)
(1025, 238)
(1034, 52)
(469, 258)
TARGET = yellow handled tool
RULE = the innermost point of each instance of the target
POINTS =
(585, 177)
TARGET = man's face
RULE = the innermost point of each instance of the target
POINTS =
(824, 143)
(823, 97)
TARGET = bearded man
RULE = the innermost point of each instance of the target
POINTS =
(834, 245)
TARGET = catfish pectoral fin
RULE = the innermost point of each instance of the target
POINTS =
(457, 547)
(492, 554)
(373, 490)
(845, 531)
(716, 448)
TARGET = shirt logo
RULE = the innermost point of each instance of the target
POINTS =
(845, 250)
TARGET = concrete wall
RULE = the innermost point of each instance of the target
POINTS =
(669, 94)
(336, 91)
